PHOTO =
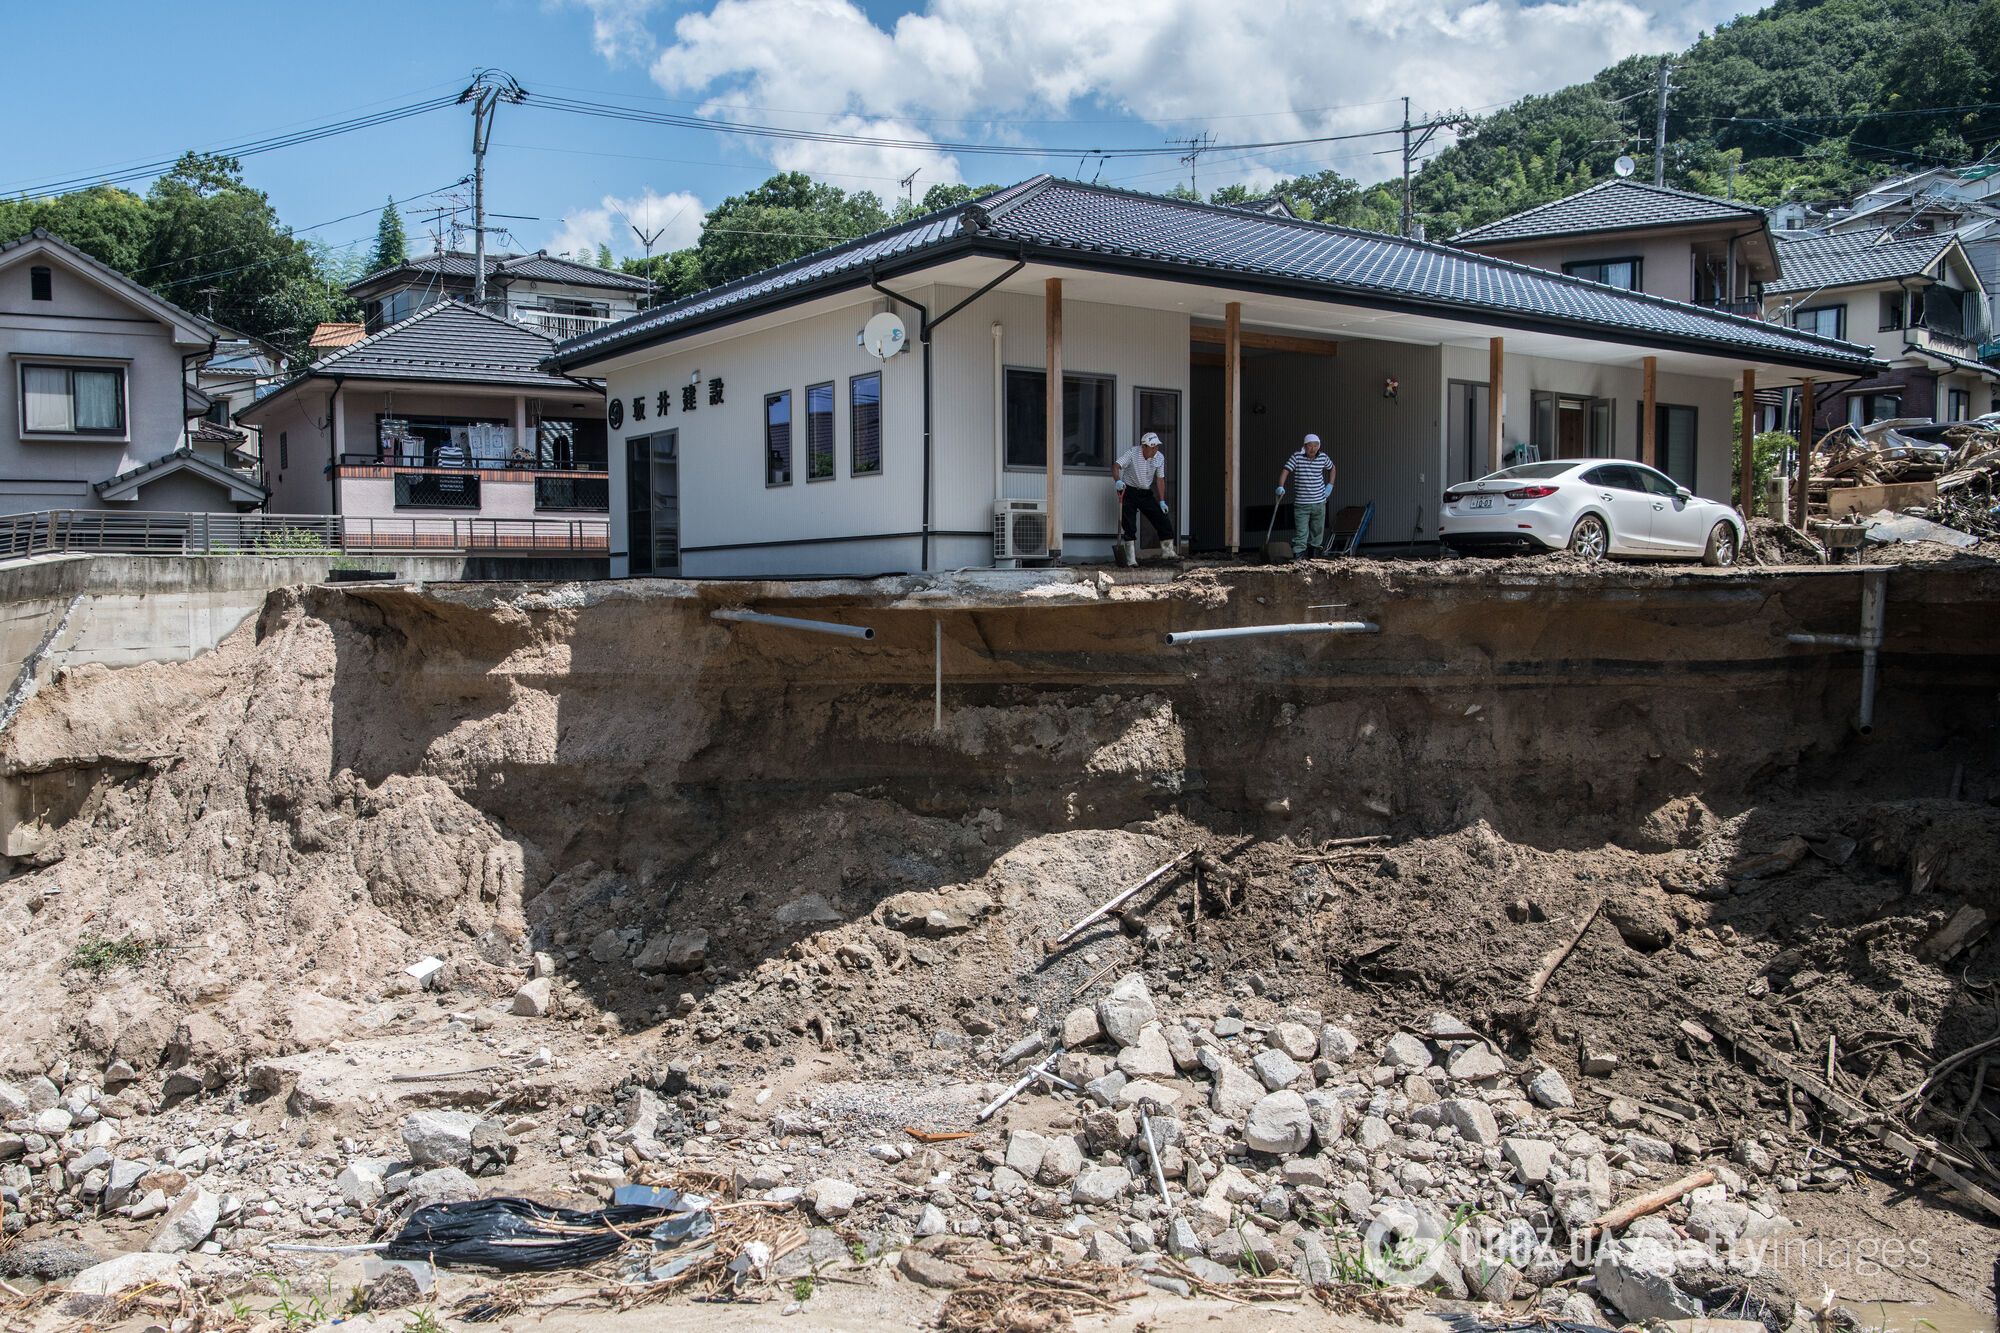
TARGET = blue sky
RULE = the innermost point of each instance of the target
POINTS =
(1022, 73)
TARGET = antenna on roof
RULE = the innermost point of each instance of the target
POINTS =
(909, 184)
(646, 238)
(1624, 165)
(1196, 146)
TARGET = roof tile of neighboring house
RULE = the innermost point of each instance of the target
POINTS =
(538, 267)
(208, 432)
(1614, 205)
(1045, 217)
(1811, 263)
(331, 336)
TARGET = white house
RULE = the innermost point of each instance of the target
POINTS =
(98, 410)
(553, 295)
(752, 435)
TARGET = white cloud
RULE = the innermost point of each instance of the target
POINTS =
(611, 221)
(618, 28)
(1247, 70)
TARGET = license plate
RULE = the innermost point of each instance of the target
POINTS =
(1477, 502)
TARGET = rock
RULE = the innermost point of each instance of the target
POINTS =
(14, 1104)
(1279, 1123)
(1337, 1044)
(533, 998)
(1181, 1238)
(932, 1222)
(1080, 1028)
(1373, 1133)
(1718, 1222)
(96, 1287)
(12, 1146)
(1233, 1092)
(1646, 1148)
(493, 1151)
(680, 951)
(1148, 1057)
(1473, 1120)
(50, 1259)
(1643, 919)
(1753, 1157)
(42, 1093)
(810, 909)
(1062, 1160)
(1530, 1158)
(445, 1184)
(1788, 852)
(1405, 1050)
(1127, 1009)
(185, 1081)
(438, 1138)
(53, 1122)
(1105, 1248)
(1025, 1150)
(1477, 1061)
(1328, 1113)
(1637, 1277)
(1597, 1062)
(151, 1204)
(360, 1183)
(188, 1223)
(394, 1288)
(1180, 1045)
(1145, 1090)
(1275, 1069)
(608, 946)
(1104, 1091)
(831, 1198)
(1296, 1040)
(925, 1269)
(121, 1181)
(919, 912)
(1099, 1185)
(1549, 1089)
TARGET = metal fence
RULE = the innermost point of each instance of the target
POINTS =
(428, 490)
(57, 531)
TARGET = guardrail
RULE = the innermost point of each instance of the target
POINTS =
(63, 531)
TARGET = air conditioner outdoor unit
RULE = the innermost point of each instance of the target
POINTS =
(1020, 530)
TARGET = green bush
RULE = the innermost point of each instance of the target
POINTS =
(291, 541)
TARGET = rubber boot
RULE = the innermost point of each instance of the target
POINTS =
(1128, 553)
(1167, 551)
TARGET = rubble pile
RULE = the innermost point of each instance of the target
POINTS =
(1950, 472)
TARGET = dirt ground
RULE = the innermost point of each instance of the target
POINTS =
(230, 862)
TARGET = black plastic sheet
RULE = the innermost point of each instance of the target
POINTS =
(522, 1236)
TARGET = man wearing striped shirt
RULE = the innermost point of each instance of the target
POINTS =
(1311, 475)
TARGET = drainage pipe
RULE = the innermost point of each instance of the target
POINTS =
(1874, 607)
(793, 622)
(1260, 631)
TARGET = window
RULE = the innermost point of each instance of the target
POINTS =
(778, 438)
(819, 432)
(1615, 475)
(1623, 273)
(1960, 401)
(1087, 420)
(41, 284)
(864, 425)
(1828, 321)
(284, 452)
(1564, 427)
(1656, 484)
(1892, 312)
(1864, 408)
(1674, 438)
(72, 400)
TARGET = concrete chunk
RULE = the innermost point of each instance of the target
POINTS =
(1126, 1009)
(1279, 1123)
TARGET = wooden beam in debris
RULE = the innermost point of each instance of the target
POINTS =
(1232, 425)
(1269, 342)
(1496, 400)
(1746, 461)
(1052, 431)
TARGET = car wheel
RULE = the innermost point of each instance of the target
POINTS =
(1590, 538)
(1722, 547)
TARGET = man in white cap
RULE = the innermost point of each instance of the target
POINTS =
(1141, 475)
(1311, 475)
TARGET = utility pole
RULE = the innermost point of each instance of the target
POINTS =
(1417, 136)
(489, 88)
(1405, 229)
(1196, 146)
(1660, 124)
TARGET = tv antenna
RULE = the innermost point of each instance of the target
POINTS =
(647, 239)
(909, 184)
(1196, 146)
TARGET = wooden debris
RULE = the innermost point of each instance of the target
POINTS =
(937, 1135)
(1633, 1209)
(1556, 956)
(1120, 898)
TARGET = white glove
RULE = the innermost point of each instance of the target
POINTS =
(1281, 492)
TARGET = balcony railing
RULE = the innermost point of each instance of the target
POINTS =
(58, 531)
(558, 325)
(434, 490)
(590, 495)
(475, 464)
(1750, 307)
(1953, 344)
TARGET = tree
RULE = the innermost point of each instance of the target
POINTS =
(604, 259)
(940, 197)
(391, 246)
(787, 216)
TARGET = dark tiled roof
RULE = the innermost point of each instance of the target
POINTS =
(1615, 205)
(182, 460)
(538, 267)
(205, 431)
(1813, 262)
(1062, 220)
(447, 342)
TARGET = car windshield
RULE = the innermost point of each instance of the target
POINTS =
(1531, 470)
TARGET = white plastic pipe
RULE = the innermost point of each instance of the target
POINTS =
(793, 622)
(1260, 631)
(1874, 613)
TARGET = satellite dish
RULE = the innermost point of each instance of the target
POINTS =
(1624, 166)
(883, 336)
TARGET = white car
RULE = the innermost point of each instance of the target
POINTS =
(1595, 507)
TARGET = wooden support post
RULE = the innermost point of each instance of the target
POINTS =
(1496, 400)
(1746, 462)
(1649, 401)
(1808, 432)
(1052, 306)
(1232, 425)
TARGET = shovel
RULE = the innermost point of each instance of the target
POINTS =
(1269, 528)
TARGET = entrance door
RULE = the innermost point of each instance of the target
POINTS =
(653, 503)
(1572, 430)
(1466, 425)
(1159, 411)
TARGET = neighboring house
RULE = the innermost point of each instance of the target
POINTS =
(100, 405)
(331, 337)
(1915, 299)
(1962, 201)
(444, 417)
(752, 434)
(560, 297)
(1643, 238)
(234, 375)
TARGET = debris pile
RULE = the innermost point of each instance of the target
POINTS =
(1908, 481)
